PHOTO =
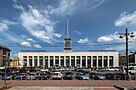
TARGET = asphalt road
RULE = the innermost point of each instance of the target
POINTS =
(66, 83)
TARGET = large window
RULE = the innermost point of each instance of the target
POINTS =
(78, 60)
(30, 61)
(62, 61)
(35, 60)
(83, 61)
(99, 61)
(57, 60)
(67, 61)
(105, 61)
(41, 60)
(111, 61)
(94, 61)
(25, 60)
(89, 61)
(46, 61)
(73, 61)
(51, 61)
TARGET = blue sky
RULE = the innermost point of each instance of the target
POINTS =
(41, 24)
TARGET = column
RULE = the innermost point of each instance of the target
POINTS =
(38, 61)
(70, 61)
(96, 61)
(27, 61)
(80, 61)
(48, 61)
(64, 61)
(43, 61)
(91, 61)
(108, 61)
(32, 61)
(86, 61)
(75, 61)
(102, 61)
(53, 60)
(59, 61)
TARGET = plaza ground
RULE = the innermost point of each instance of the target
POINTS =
(95, 84)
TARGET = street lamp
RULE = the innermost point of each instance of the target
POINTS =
(126, 34)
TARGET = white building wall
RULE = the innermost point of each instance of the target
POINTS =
(108, 53)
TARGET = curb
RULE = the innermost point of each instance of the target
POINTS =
(120, 87)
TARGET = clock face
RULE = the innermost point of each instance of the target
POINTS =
(68, 43)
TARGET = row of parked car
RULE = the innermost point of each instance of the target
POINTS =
(46, 74)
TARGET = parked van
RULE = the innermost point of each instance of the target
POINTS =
(132, 70)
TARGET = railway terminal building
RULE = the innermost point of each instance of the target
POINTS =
(87, 59)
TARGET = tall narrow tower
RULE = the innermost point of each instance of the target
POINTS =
(67, 40)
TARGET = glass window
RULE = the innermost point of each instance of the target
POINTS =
(99, 61)
(89, 61)
(67, 61)
(105, 61)
(83, 61)
(94, 61)
(56, 60)
(51, 61)
(78, 60)
(41, 60)
(73, 61)
(111, 61)
(62, 61)
(46, 61)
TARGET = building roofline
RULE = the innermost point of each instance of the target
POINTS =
(4, 47)
(72, 51)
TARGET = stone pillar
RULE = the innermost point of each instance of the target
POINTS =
(38, 61)
(86, 61)
(48, 61)
(64, 61)
(80, 61)
(102, 61)
(70, 61)
(27, 61)
(97, 61)
(108, 61)
(59, 61)
(32, 61)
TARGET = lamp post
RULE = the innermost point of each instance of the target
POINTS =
(126, 34)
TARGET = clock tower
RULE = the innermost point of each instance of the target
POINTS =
(67, 40)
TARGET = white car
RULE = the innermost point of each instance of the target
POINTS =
(57, 75)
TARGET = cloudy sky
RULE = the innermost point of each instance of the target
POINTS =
(41, 24)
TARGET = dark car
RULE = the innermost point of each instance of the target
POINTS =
(97, 76)
(43, 76)
(68, 76)
(82, 76)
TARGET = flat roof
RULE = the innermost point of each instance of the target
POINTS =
(72, 51)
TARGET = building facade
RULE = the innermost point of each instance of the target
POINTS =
(4, 56)
(14, 62)
(89, 59)
(132, 58)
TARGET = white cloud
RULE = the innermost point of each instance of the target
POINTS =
(4, 30)
(26, 44)
(126, 19)
(58, 35)
(37, 24)
(3, 27)
(104, 39)
(37, 46)
(109, 38)
(83, 41)
(30, 40)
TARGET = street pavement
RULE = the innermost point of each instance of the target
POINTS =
(95, 84)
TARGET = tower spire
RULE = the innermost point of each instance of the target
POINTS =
(67, 26)
(67, 40)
